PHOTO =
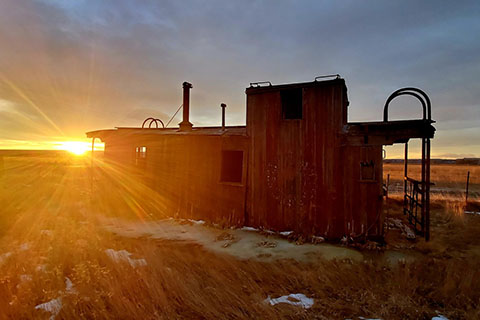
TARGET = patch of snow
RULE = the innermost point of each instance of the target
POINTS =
(295, 299)
(397, 223)
(249, 229)
(53, 306)
(317, 239)
(439, 317)
(286, 233)
(196, 221)
(69, 286)
(472, 212)
(124, 255)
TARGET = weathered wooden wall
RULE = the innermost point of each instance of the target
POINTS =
(185, 171)
(362, 199)
(301, 176)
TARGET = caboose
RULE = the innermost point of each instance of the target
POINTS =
(298, 164)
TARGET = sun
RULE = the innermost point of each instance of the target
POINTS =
(76, 147)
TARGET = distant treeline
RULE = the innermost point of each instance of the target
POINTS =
(469, 161)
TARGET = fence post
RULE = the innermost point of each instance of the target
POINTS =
(466, 189)
(388, 183)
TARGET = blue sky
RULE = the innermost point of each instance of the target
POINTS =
(67, 67)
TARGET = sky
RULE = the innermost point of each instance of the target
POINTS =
(68, 67)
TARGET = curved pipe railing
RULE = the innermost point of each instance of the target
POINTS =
(153, 120)
(415, 92)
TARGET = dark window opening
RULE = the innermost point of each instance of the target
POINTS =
(232, 166)
(367, 171)
(292, 104)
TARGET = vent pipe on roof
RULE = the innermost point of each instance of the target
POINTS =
(223, 106)
(185, 125)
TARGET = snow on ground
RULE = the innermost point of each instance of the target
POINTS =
(249, 229)
(124, 255)
(472, 212)
(69, 288)
(295, 299)
(241, 243)
(53, 306)
(196, 221)
(397, 223)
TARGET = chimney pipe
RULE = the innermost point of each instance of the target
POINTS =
(223, 106)
(185, 125)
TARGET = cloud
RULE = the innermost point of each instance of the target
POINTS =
(98, 64)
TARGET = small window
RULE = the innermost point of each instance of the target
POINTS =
(367, 171)
(292, 104)
(232, 166)
(141, 157)
(140, 152)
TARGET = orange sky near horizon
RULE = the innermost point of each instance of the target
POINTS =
(76, 66)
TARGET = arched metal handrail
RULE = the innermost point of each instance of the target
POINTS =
(153, 120)
(415, 92)
(145, 121)
(156, 121)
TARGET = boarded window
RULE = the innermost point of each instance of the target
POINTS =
(232, 166)
(367, 171)
(292, 104)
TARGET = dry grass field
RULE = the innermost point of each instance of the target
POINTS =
(49, 231)
(448, 179)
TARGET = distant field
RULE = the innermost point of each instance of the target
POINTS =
(50, 232)
(448, 179)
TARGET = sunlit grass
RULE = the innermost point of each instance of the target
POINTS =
(49, 226)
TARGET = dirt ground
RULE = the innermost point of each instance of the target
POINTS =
(58, 224)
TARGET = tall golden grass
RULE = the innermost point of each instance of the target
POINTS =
(183, 280)
(444, 176)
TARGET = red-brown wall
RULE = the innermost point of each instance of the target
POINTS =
(301, 175)
(185, 171)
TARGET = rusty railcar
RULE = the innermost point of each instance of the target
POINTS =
(298, 165)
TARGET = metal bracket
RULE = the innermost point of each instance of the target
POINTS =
(337, 76)
(259, 84)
